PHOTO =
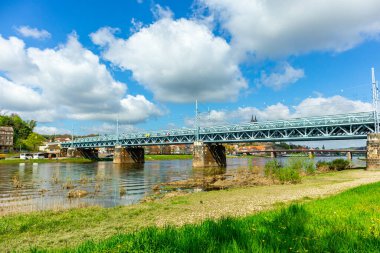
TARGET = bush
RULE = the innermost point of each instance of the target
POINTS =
(337, 164)
(275, 170)
(301, 164)
(288, 175)
(271, 168)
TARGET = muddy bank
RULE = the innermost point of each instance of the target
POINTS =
(242, 178)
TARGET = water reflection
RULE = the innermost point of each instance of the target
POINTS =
(26, 186)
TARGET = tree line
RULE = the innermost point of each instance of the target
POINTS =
(23, 137)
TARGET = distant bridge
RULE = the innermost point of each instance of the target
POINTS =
(333, 127)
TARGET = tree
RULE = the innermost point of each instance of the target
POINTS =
(33, 141)
(21, 128)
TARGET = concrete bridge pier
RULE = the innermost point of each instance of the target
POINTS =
(209, 155)
(128, 155)
(349, 156)
(373, 151)
(273, 154)
(72, 152)
(89, 153)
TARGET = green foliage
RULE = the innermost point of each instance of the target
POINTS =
(22, 129)
(288, 175)
(272, 167)
(33, 141)
(340, 164)
(324, 225)
(337, 164)
(291, 172)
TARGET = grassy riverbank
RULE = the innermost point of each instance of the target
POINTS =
(65, 160)
(167, 157)
(349, 216)
(348, 222)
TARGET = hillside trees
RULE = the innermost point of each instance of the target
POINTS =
(22, 131)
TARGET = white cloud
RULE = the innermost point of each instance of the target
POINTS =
(278, 80)
(309, 107)
(110, 128)
(14, 60)
(133, 109)
(178, 60)
(160, 12)
(49, 130)
(65, 82)
(329, 106)
(275, 28)
(17, 97)
(35, 33)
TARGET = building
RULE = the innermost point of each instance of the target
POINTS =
(6, 138)
(52, 149)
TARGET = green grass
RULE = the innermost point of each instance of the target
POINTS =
(66, 160)
(347, 222)
(168, 157)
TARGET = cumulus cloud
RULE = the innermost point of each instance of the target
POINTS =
(280, 28)
(35, 33)
(178, 60)
(309, 107)
(278, 80)
(65, 82)
(50, 130)
(18, 97)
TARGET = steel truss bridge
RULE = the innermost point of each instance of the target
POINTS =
(334, 127)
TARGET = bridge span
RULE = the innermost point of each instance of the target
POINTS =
(208, 148)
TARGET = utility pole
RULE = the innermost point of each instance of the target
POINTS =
(375, 99)
(196, 121)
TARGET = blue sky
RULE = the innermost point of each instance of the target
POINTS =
(85, 64)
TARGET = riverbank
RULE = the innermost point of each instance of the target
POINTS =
(60, 160)
(84, 160)
(73, 227)
(167, 157)
(317, 226)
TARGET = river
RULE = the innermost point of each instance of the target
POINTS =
(31, 186)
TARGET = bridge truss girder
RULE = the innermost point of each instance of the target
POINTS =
(338, 127)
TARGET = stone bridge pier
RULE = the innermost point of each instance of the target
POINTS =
(89, 153)
(373, 151)
(128, 155)
(209, 155)
(349, 156)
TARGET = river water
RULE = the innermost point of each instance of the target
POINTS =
(30, 187)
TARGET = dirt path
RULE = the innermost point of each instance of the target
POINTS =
(239, 202)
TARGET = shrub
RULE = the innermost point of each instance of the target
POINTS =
(301, 164)
(275, 170)
(271, 168)
(287, 174)
(339, 164)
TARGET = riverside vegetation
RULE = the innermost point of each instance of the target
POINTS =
(324, 225)
(318, 225)
(347, 222)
